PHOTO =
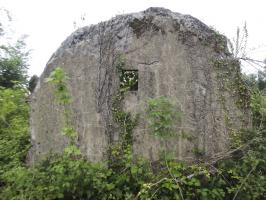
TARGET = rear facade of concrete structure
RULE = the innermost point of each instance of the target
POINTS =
(174, 55)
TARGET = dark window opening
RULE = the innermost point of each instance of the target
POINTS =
(129, 80)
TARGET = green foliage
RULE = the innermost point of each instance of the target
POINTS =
(62, 177)
(129, 80)
(232, 81)
(245, 172)
(262, 80)
(258, 81)
(163, 117)
(70, 176)
(59, 79)
(124, 119)
(58, 178)
(258, 105)
(14, 136)
(14, 109)
(180, 181)
(121, 151)
(13, 65)
(13, 57)
(13, 125)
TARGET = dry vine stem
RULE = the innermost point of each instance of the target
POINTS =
(106, 73)
(110, 51)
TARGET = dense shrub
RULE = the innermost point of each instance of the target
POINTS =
(14, 137)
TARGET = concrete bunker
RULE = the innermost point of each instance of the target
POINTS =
(155, 53)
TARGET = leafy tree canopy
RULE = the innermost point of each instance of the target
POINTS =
(13, 58)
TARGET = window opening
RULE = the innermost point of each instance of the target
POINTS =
(129, 80)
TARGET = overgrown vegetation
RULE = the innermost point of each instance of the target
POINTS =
(238, 174)
(14, 137)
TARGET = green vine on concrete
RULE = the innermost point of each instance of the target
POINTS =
(218, 41)
(222, 76)
(231, 81)
(121, 152)
(59, 79)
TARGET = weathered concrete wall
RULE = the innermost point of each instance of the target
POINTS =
(176, 56)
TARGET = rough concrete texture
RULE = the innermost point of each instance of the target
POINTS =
(175, 56)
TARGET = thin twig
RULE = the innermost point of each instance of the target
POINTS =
(155, 192)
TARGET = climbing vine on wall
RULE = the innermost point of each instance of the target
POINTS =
(59, 79)
(121, 151)
(232, 81)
